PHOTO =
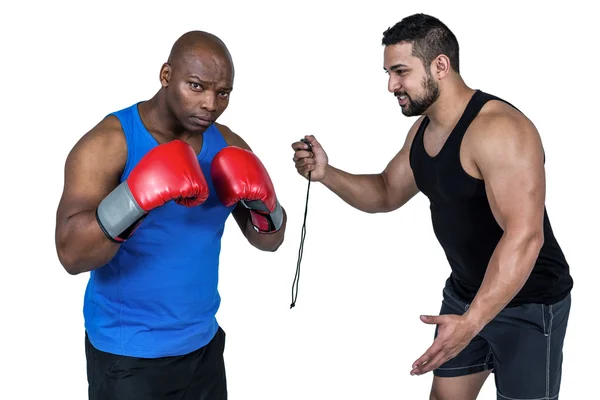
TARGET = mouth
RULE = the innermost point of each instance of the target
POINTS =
(402, 99)
(201, 121)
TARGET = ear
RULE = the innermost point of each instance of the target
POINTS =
(165, 74)
(440, 67)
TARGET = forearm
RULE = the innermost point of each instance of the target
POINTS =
(81, 244)
(263, 240)
(365, 192)
(508, 270)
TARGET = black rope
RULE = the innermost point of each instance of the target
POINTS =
(301, 250)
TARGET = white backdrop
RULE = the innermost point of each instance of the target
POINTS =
(309, 67)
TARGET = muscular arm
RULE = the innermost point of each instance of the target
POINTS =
(511, 162)
(262, 241)
(377, 193)
(92, 170)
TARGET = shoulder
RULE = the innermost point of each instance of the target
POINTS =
(105, 139)
(232, 138)
(109, 130)
(497, 118)
(502, 138)
(500, 127)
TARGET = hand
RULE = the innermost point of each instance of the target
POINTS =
(454, 334)
(168, 172)
(239, 176)
(314, 161)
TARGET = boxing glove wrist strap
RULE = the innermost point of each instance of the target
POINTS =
(262, 220)
(119, 214)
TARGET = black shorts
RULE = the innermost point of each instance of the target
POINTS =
(199, 375)
(522, 345)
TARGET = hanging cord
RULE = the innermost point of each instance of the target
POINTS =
(302, 236)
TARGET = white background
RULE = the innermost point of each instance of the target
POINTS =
(309, 67)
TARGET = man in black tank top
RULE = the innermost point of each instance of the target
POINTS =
(480, 162)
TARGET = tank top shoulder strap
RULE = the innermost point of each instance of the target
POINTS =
(133, 127)
(213, 142)
(139, 141)
(475, 105)
(418, 147)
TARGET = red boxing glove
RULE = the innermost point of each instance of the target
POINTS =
(239, 176)
(167, 172)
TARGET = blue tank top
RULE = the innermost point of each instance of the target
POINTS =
(158, 296)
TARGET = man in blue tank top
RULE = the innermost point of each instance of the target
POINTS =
(480, 162)
(146, 195)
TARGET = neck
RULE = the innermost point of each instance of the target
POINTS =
(158, 118)
(450, 105)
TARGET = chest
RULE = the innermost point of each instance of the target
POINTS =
(438, 166)
(433, 142)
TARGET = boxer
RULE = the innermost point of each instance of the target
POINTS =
(146, 195)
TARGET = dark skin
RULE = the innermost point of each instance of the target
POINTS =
(196, 82)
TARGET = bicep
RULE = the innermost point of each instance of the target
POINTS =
(511, 162)
(92, 169)
(398, 176)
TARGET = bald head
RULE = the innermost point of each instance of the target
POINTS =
(197, 80)
(198, 44)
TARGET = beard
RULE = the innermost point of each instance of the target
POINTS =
(418, 105)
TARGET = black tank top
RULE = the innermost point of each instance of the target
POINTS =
(465, 226)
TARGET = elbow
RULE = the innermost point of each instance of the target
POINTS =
(67, 258)
(71, 270)
(383, 206)
(67, 261)
(536, 240)
(539, 237)
(380, 210)
(383, 203)
(383, 200)
(68, 264)
(64, 251)
(530, 242)
(532, 246)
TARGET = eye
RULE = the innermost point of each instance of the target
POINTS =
(195, 86)
(225, 95)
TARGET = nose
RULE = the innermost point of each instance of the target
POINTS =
(394, 84)
(209, 101)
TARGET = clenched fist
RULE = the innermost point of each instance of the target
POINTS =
(311, 158)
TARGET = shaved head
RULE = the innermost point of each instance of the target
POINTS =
(197, 80)
(196, 44)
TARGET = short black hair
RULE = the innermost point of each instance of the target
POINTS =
(429, 36)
